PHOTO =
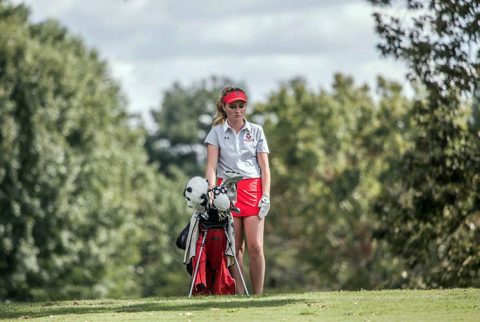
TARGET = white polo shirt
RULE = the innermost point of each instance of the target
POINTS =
(238, 152)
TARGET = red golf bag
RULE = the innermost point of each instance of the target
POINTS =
(210, 264)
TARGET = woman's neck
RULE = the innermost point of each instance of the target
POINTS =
(236, 125)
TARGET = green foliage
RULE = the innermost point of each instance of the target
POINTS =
(76, 195)
(160, 269)
(328, 150)
(430, 209)
(438, 39)
(431, 217)
(183, 121)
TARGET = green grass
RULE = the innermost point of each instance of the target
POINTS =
(395, 305)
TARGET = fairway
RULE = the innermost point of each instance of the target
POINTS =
(395, 305)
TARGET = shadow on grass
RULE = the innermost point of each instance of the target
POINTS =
(13, 311)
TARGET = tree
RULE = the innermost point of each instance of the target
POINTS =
(438, 39)
(75, 189)
(183, 121)
(328, 149)
(430, 213)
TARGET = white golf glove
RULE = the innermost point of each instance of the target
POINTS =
(264, 206)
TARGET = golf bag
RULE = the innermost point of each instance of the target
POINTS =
(210, 264)
(209, 239)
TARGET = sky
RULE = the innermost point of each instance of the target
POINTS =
(149, 44)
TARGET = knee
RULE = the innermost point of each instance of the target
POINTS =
(255, 250)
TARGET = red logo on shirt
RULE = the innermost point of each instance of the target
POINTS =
(248, 138)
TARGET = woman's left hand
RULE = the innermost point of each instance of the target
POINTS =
(264, 206)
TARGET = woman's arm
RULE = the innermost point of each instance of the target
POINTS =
(262, 158)
(211, 169)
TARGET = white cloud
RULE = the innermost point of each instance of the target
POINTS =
(152, 43)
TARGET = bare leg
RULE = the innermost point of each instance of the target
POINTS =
(239, 251)
(253, 227)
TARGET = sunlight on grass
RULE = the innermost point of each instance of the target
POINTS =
(397, 305)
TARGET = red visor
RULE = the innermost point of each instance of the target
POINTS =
(234, 96)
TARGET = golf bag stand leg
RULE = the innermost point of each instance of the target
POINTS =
(194, 276)
(238, 266)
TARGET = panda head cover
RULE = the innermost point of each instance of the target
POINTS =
(196, 193)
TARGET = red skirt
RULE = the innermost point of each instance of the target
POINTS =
(249, 193)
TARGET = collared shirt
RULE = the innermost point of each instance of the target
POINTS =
(238, 151)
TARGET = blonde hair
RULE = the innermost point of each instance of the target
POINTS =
(221, 115)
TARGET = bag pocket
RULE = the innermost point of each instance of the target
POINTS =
(182, 238)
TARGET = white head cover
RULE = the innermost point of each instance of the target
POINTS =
(220, 198)
(196, 193)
